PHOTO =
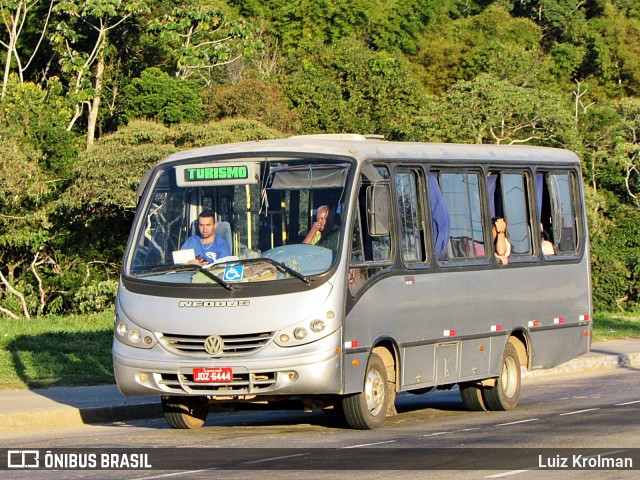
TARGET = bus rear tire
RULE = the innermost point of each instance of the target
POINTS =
(471, 394)
(504, 395)
(368, 409)
(185, 412)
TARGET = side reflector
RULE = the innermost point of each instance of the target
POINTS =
(534, 323)
(449, 333)
(496, 328)
(351, 344)
(558, 320)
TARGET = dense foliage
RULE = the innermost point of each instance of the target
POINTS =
(95, 92)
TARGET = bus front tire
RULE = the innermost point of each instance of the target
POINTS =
(504, 395)
(367, 410)
(185, 412)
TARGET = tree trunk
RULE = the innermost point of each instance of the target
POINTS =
(95, 104)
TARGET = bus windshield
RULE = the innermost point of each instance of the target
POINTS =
(278, 218)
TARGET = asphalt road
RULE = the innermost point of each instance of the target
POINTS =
(561, 414)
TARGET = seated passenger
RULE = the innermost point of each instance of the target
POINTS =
(547, 247)
(501, 243)
(315, 233)
(207, 247)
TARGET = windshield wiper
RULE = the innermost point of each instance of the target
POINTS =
(184, 268)
(285, 268)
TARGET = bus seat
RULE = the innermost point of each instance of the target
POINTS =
(223, 229)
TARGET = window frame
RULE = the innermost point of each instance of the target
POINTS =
(417, 177)
(578, 214)
(530, 204)
(485, 222)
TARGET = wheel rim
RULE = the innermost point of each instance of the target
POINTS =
(509, 377)
(374, 391)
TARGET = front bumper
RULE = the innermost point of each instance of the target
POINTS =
(142, 372)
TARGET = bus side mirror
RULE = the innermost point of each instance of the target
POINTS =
(378, 210)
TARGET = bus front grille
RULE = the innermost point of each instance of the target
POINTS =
(241, 384)
(234, 345)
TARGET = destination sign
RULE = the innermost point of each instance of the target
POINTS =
(218, 174)
(215, 173)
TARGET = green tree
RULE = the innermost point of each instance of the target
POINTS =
(488, 110)
(201, 38)
(255, 99)
(16, 15)
(560, 20)
(390, 24)
(24, 226)
(86, 67)
(349, 88)
(491, 42)
(158, 96)
(613, 52)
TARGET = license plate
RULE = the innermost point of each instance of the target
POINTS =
(212, 374)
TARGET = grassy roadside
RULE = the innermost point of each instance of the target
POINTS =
(55, 351)
(76, 350)
(614, 326)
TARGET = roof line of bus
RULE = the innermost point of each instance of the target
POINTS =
(361, 148)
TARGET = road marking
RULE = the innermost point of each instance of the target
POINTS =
(271, 459)
(369, 444)
(507, 474)
(435, 434)
(516, 423)
(579, 411)
(627, 403)
(177, 473)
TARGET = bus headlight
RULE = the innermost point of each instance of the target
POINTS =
(130, 334)
(317, 326)
(121, 329)
(134, 336)
(299, 333)
(308, 331)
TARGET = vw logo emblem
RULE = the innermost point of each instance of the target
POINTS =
(214, 345)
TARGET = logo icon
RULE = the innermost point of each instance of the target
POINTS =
(214, 345)
(23, 459)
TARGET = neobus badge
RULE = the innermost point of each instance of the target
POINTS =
(213, 303)
(216, 174)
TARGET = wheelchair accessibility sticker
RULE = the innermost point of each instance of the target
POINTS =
(233, 274)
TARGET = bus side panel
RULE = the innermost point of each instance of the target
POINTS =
(465, 305)
(550, 349)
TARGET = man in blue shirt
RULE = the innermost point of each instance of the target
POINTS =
(207, 247)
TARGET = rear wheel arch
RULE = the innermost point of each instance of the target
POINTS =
(520, 341)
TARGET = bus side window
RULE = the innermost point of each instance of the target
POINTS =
(411, 215)
(370, 254)
(508, 198)
(556, 205)
(461, 193)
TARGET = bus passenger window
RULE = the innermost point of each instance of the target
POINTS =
(411, 216)
(375, 247)
(461, 193)
(370, 250)
(508, 198)
(556, 205)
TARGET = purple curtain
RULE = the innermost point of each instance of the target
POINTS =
(439, 218)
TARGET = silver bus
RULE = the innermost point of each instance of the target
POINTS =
(399, 290)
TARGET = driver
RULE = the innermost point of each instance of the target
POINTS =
(315, 233)
(207, 247)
